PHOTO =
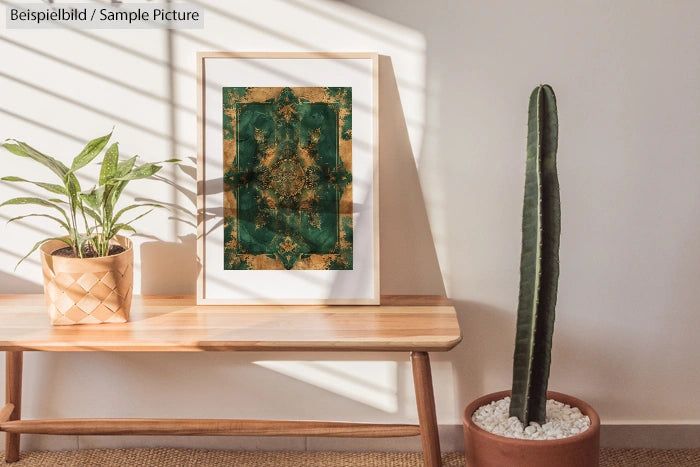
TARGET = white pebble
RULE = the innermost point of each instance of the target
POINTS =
(561, 421)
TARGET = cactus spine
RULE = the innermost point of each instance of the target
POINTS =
(539, 261)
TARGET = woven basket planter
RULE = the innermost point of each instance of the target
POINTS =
(88, 290)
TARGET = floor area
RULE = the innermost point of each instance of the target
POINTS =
(193, 457)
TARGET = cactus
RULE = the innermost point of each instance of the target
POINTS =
(539, 261)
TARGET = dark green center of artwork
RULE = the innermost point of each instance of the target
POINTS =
(287, 178)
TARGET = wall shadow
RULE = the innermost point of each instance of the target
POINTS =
(486, 349)
(484, 364)
(409, 263)
(408, 258)
(16, 285)
(169, 267)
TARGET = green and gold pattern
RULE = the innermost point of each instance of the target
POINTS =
(287, 178)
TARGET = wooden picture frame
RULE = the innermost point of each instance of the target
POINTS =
(287, 178)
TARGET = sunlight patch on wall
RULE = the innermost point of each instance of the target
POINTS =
(370, 383)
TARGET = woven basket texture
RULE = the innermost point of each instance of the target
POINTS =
(88, 290)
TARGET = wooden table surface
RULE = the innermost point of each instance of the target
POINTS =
(176, 323)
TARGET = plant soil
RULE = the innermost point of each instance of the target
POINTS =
(67, 252)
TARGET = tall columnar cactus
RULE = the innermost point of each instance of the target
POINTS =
(539, 261)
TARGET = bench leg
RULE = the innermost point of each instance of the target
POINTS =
(423, 381)
(13, 395)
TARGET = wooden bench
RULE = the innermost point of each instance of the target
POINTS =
(415, 324)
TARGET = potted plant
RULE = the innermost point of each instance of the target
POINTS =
(88, 272)
(520, 428)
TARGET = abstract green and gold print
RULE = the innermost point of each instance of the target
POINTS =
(287, 178)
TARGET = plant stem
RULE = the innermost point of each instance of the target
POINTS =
(539, 262)
(77, 250)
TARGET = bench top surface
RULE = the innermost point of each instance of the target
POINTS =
(176, 323)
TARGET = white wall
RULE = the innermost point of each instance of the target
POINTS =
(626, 75)
(60, 88)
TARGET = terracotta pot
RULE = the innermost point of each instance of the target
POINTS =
(484, 449)
(88, 290)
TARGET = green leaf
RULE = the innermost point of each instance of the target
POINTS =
(93, 214)
(143, 171)
(117, 192)
(134, 206)
(108, 203)
(51, 203)
(53, 188)
(15, 149)
(116, 228)
(73, 187)
(139, 216)
(126, 226)
(58, 201)
(82, 239)
(93, 198)
(125, 167)
(20, 148)
(32, 200)
(38, 244)
(63, 224)
(109, 164)
(91, 150)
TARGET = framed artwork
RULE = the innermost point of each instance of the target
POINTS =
(287, 178)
